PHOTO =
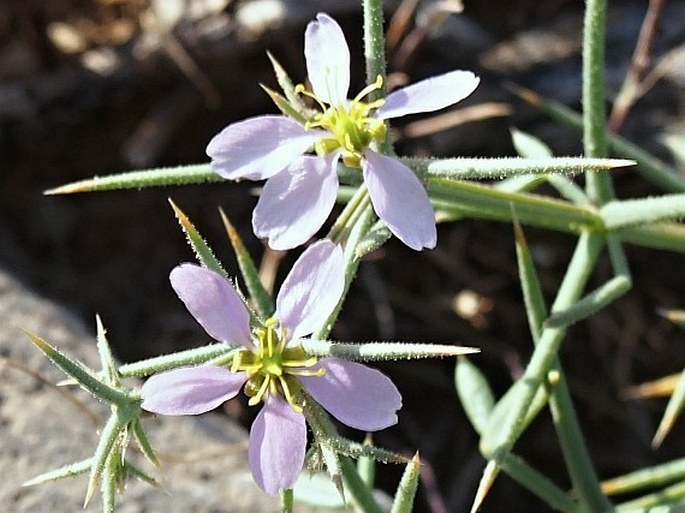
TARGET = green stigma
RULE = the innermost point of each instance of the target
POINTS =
(352, 129)
(272, 367)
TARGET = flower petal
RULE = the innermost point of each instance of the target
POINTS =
(191, 390)
(356, 395)
(328, 60)
(260, 147)
(399, 199)
(312, 289)
(278, 439)
(428, 95)
(214, 303)
(295, 203)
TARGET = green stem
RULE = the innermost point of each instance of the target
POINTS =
(582, 472)
(599, 185)
(374, 44)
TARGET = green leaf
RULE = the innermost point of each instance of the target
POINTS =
(287, 85)
(620, 214)
(109, 366)
(187, 358)
(474, 393)
(143, 179)
(503, 167)
(484, 202)
(378, 235)
(283, 105)
(203, 252)
(109, 439)
(406, 491)
(677, 317)
(381, 351)
(673, 409)
(490, 473)
(360, 493)
(262, 300)
(85, 378)
(649, 477)
(528, 146)
(536, 309)
(144, 442)
(668, 500)
(70, 470)
(317, 490)
(665, 236)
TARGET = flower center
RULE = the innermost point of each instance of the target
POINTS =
(272, 368)
(352, 129)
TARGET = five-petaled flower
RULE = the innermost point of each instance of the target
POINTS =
(273, 366)
(302, 187)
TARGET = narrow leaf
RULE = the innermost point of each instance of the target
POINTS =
(187, 358)
(665, 236)
(380, 351)
(70, 470)
(536, 309)
(620, 214)
(677, 317)
(502, 167)
(85, 378)
(662, 387)
(378, 235)
(202, 251)
(355, 450)
(109, 438)
(674, 407)
(366, 465)
(109, 366)
(591, 303)
(406, 491)
(484, 202)
(287, 85)
(650, 477)
(490, 473)
(528, 146)
(283, 105)
(474, 393)
(359, 492)
(660, 501)
(144, 442)
(159, 177)
(262, 300)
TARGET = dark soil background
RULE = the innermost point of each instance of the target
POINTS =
(91, 87)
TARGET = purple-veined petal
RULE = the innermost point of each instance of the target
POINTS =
(278, 439)
(214, 303)
(260, 147)
(428, 95)
(191, 390)
(356, 395)
(399, 199)
(295, 203)
(328, 60)
(312, 289)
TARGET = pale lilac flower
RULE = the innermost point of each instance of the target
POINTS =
(272, 365)
(301, 187)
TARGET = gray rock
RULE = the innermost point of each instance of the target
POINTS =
(204, 463)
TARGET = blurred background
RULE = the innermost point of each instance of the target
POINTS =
(92, 87)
